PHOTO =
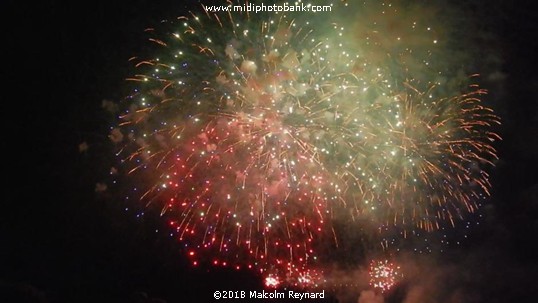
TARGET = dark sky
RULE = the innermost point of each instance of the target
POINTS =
(61, 243)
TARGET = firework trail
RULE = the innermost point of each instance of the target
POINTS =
(252, 133)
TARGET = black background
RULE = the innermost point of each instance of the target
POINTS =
(61, 243)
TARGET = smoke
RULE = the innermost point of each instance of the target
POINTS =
(368, 296)
(486, 273)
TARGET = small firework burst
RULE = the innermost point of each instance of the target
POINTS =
(384, 274)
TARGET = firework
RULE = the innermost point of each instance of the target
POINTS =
(230, 132)
(272, 281)
(415, 157)
(383, 275)
(251, 133)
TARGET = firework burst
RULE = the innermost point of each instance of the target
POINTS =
(233, 129)
(415, 156)
(252, 133)
(384, 275)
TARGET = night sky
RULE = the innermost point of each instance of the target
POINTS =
(60, 242)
